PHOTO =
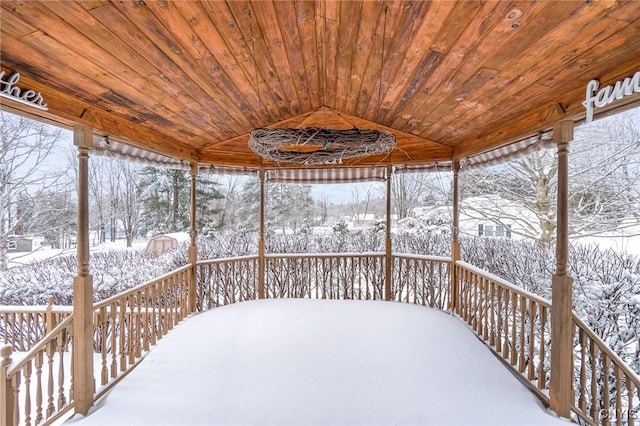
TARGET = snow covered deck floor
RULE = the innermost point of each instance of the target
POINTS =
(319, 362)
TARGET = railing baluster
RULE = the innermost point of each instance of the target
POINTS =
(594, 381)
(102, 321)
(582, 403)
(631, 413)
(61, 345)
(492, 308)
(15, 383)
(542, 379)
(618, 379)
(606, 396)
(514, 328)
(26, 371)
(505, 343)
(475, 304)
(39, 363)
(521, 358)
(532, 339)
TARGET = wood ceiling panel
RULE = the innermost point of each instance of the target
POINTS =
(269, 103)
(574, 74)
(269, 79)
(284, 59)
(168, 50)
(288, 36)
(196, 51)
(63, 45)
(191, 79)
(215, 57)
(306, 29)
(350, 12)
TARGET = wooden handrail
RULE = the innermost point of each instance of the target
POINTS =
(137, 288)
(41, 373)
(607, 350)
(322, 255)
(53, 334)
(504, 283)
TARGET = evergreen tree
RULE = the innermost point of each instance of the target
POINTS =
(165, 196)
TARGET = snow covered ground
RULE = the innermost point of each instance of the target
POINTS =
(320, 362)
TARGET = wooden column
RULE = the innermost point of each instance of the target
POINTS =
(83, 381)
(261, 276)
(388, 279)
(455, 242)
(193, 233)
(561, 381)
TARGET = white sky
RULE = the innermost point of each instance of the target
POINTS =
(320, 362)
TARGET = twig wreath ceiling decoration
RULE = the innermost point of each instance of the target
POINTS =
(316, 145)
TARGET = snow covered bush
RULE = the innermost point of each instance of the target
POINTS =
(113, 272)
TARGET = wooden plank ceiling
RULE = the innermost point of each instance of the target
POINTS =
(190, 79)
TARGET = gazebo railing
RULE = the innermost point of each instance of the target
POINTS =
(24, 326)
(514, 323)
(421, 280)
(224, 281)
(37, 386)
(353, 276)
(128, 324)
(606, 390)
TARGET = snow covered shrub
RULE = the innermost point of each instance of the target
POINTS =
(423, 242)
(113, 272)
(239, 242)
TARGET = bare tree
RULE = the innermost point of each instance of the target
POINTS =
(409, 190)
(128, 196)
(604, 176)
(363, 196)
(25, 146)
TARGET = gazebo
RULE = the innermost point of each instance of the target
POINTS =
(266, 86)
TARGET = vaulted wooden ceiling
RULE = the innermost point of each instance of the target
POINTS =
(190, 79)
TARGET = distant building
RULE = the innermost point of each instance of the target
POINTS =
(20, 244)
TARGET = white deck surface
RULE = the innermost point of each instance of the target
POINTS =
(320, 362)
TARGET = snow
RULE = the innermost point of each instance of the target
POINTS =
(324, 362)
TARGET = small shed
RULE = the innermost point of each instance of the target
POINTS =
(160, 244)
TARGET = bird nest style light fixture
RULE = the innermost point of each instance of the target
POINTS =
(316, 145)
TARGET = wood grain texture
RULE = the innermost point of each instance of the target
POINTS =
(191, 79)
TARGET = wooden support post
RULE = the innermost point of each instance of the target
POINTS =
(455, 241)
(193, 233)
(261, 276)
(49, 320)
(7, 396)
(561, 381)
(83, 381)
(387, 242)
